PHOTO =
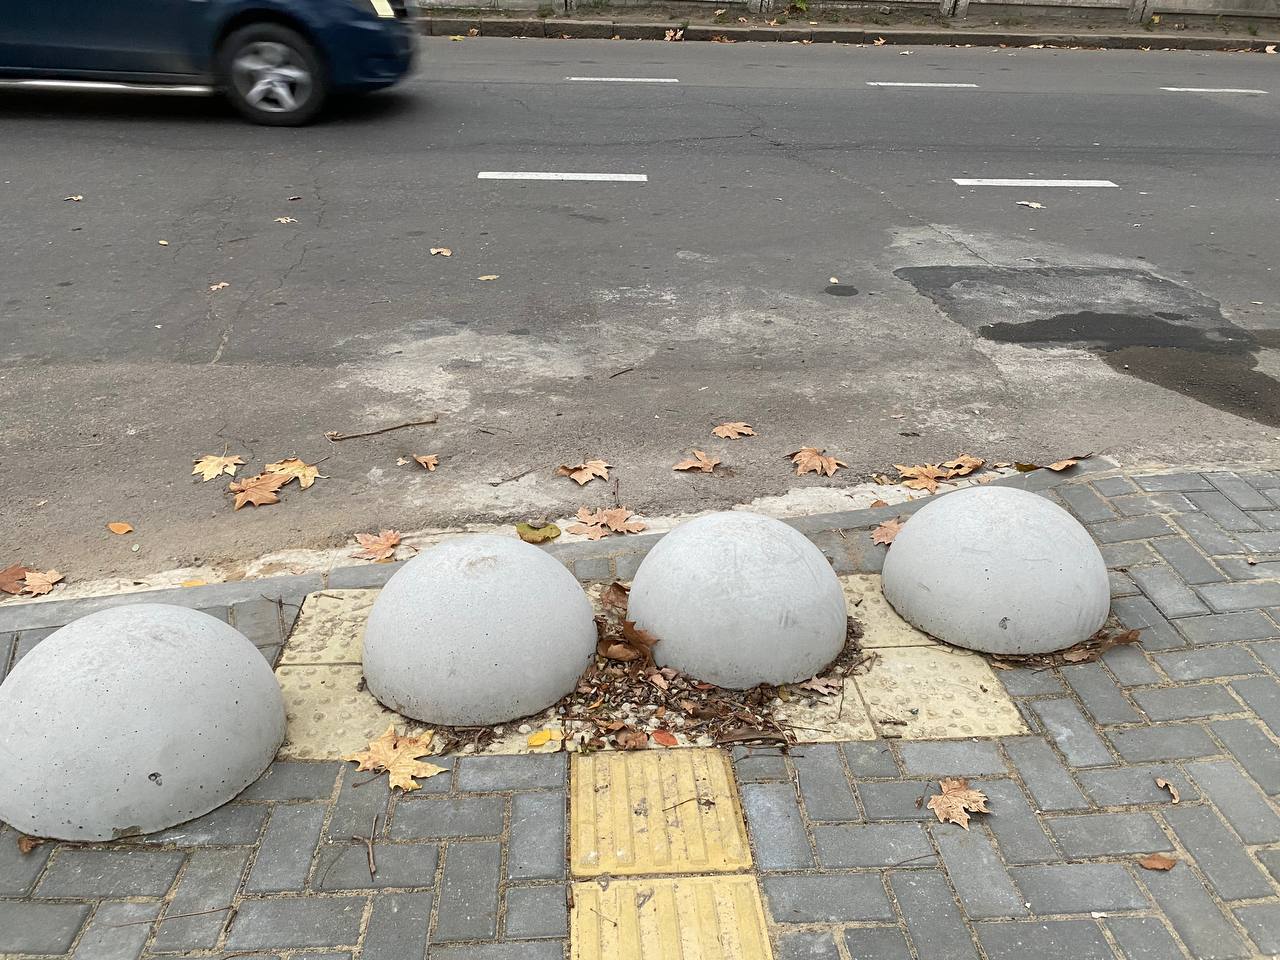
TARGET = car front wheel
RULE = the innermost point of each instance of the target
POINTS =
(272, 75)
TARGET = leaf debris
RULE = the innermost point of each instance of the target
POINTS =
(38, 583)
(258, 491)
(887, 531)
(13, 578)
(294, 469)
(379, 547)
(429, 462)
(397, 756)
(120, 528)
(814, 460)
(700, 461)
(1174, 793)
(600, 523)
(956, 800)
(584, 472)
(212, 465)
(734, 430)
(1157, 861)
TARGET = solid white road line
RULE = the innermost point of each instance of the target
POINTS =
(1211, 90)
(1031, 183)
(624, 79)
(98, 86)
(894, 83)
(548, 175)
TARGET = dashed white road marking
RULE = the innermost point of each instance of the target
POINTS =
(624, 79)
(1211, 90)
(896, 83)
(555, 175)
(997, 182)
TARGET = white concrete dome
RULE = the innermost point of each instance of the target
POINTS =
(739, 599)
(131, 720)
(999, 570)
(477, 630)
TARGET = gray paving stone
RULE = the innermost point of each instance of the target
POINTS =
(259, 620)
(1024, 682)
(210, 880)
(1231, 597)
(295, 780)
(1043, 774)
(1121, 584)
(536, 848)
(1262, 694)
(1262, 921)
(870, 758)
(284, 858)
(1181, 482)
(1224, 627)
(222, 613)
(876, 943)
(1271, 860)
(592, 568)
(355, 808)
(537, 912)
(755, 765)
(1139, 613)
(1085, 503)
(950, 758)
(1125, 554)
(982, 884)
(1169, 741)
(1167, 591)
(872, 844)
(828, 898)
(824, 788)
(1072, 732)
(897, 799)
(1268, 519)
(1121, 786)
(1144, 504)
(1253, 750)
(1208, 663)
(1265, 542)
(1114, 486)
(627, 564)
(933, 920)
(1239, 801)
(114, 933)
(99, 874)
(282, 922)
(508, 950)
(345, 866)
(436, 817)
(1208, 536)
(1108, 834)
(1249, 568)
(1240, 493)
(1130, 528)
(1078, 887)
(29, 927)
(18, 871)
(1016, 828)
(528, 772)
(1268, 652)
(235, 824)
(1099, 693)
(1077, 939)
(806, 945)
(1262, 481)
(1194, 915)
(773, 814)
(1186, 703)
(469, 892)
(397, 927)
(1224, 513)
(1130, 666)
(1144, 938)
(1192, 565)
(1217, 852)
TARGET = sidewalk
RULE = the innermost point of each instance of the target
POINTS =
(823, 851)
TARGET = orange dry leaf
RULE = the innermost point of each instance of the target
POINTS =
(666, 738)
(260, 490)
(306, 473)
(37, 584)
(13, 578)
(585, 472)
(121, 528)
(397, 756)
(956, 800)
(601, 523)
(699, 461)
(961, 466)
(616, 596)
(1157, 861)
(734, 430)
(1174, 793)
(813, 460)
(879, 503)
(627, 738)
(379, 547)
(429, 462)
(26, 844)
(925, 476)
(212, 465)
(636, 644)
(886, 532)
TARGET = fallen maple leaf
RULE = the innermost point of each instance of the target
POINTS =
(584, 472)
(826, 686)
(37, 584)
(887, 531)
(441, 252)
(879, 503)
(734, 430)
(305, 473)
(699, 461)
(601, 523)
(628, 739)
(672, 35)
(923, 476)
(1057, 466)
(666, 738)
(378, 547)
(220, 285)
(1092, 649)
(1157, 861)
(961, 466)
(1174, 792)
(531, 534)
(260, 490)
(12, 578)
(956, 800)
(120, 528)
(428, 462)
(616, 596)
(212, 465)
(879, 41)
(814, 460)
(397, 756)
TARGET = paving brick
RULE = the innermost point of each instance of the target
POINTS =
(284, 858)
(1125, 554)
(109, 873)
(345, 866)
(1262, 921)
(536, 848)
(1217, 853)
(933, 920)
(981, 883)
(1078, 939)
(1239, 801)
(397, 927)
(592, 568)
(1181, 482)
(754, 765)
(773, 814)
(510, 950)
(259, 620)
(871, 844)
(1121, 584)
(870, 758)
(1268, 652)
(1240, 493)
(1143, 938)
(1194, 915)
(1113, 486)
(1130, 666)
(806, 945)
(235, 824)
(1224, 627)
(1073, 734)
(355, 808)
(876, 943)
(1121, 786)
(1170, 741)
(1130, 528)
(434, 817)
(627, 564)
(1186, 703)
(1190, 563)
(27, 927)
(293, 780)
(829, 898)
(1231, 597)
(1144, 504)
(1167, 591)
(469, 892)
(1253, 750)
(114, 933)
(222, 613)
(18, 871)
(537, 912)
(1249, 568)
(1271, 860)
(1262, 481)
(1099, 693)
(283, 922)
(1108, 834)
(1024, 682)
(209, 881)
(1268, 519)
(1208, 536)
(1043, 774)
(1224, 513)
(1078, 887)
(528, 772)
(824, 788)
(1139, 613)
(897, 799)
(1262, 694)
(950, 758)
(1206, 664)
(1266, 542)
(1016, 828)
(1085, 503)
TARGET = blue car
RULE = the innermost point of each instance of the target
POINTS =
(277, 61)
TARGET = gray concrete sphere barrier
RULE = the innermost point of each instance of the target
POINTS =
(739, 599)
(998, 570)
(132, 720)
(480, 629)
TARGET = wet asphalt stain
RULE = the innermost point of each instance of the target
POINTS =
(840, 290)
(1137, 323)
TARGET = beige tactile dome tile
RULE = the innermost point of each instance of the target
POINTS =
(881, 625)
(330, 628)
(818, 720)
(938, 693)
(329, 714)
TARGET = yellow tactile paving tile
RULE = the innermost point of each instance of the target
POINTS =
(881, 625)
(329, 714)
(679, 918)
(655, 811)
(330, 628)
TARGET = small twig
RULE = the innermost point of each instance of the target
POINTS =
(702, 801)
(368, 846)
(334, 436)
(602, 916)
(173, 916)
(515, 476)
(922, 856)
(620, 373)
(361, 783)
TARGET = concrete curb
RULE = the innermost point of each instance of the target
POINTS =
(640, 30)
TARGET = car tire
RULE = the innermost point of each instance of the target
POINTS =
(272, 75)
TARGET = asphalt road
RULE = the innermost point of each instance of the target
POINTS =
(628, 318)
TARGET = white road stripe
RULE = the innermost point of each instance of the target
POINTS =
(98, 86)
(625, 79)
(549, 175)
(1031, 183)
(894, 83)
(1211, 90)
